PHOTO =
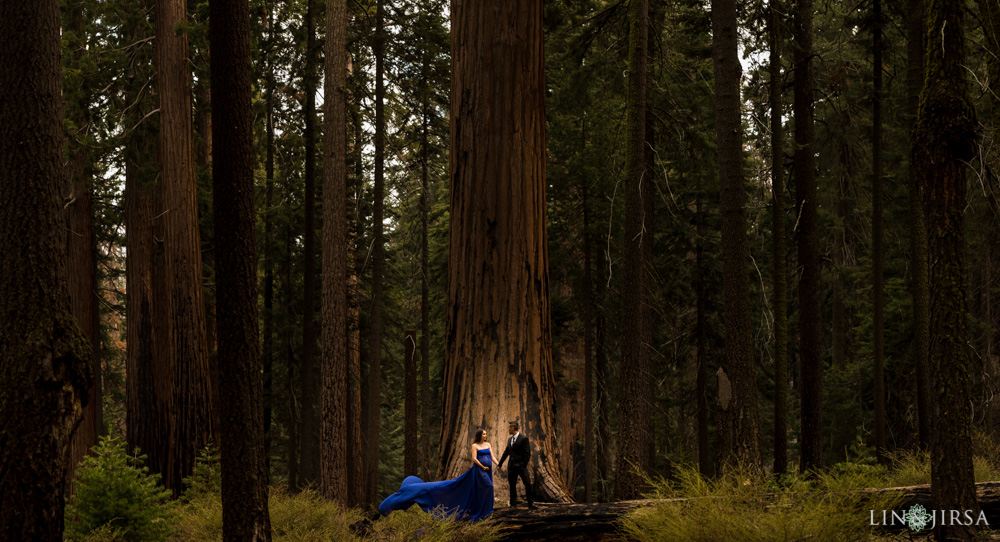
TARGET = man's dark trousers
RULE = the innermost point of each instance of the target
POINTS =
(512, 475)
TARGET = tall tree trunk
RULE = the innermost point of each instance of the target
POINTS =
(145, 364)
(738, 423)
(425, 305)
(944, 141)
(919, 285)
(498, 305)
(290, 383)
(44, 357)
(701, 334)
(355, 408)
(267, 353)
(411, 458)
(309, 374)
(81, 253)
(879, 304)
(191, 402)
(633, 435)
(244, 467)
(588, 346)
(778, 250)
(374, 407)
(807, 238)
(603, 407)
(334, 452)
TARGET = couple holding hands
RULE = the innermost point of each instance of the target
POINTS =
(471, 494)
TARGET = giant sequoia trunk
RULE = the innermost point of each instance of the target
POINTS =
(186, 334)
(634, 436)
(145, 369)
(807, 238)
(334, 452)
(244, 476)
(944, 141)
(44, 357)
(738, 425)
(498, 364)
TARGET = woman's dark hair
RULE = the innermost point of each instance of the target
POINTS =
(479, 436)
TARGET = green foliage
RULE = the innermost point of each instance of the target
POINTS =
(117, 498)
(206, 478)
(742, 507)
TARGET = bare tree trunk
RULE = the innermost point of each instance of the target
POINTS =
(499, 360)
(244, 467)
(44, 357)
(920, 286)
(701, 334)
(944, 141)
(81, 257)
(810, 295)
(355, 408)
(374, 406)
(633, 435)
(877, 257)
(290, 387)
(268, 257)
(411, 458)
(738, 423)
(588, 347)
(989, 14)
(334, 453)
(191, 402)
(778, 251)
(425, 306)
(310, 428)
(603, 406)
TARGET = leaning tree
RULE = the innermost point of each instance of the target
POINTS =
(498, 362)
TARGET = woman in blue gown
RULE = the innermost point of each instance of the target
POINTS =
(470, 495)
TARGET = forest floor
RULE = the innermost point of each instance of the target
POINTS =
(592, 522)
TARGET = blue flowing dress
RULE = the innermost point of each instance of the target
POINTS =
(470, 495)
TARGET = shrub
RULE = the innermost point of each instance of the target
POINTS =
(415, 524)
(117, 498)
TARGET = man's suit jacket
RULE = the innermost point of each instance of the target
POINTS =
(519, 452)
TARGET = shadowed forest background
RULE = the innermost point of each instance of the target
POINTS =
(736, 240)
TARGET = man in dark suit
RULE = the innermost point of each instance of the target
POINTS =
(519, 451)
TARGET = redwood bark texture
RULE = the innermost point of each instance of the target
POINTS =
(498, 364)
(738, 420)
(44, 357)
(334, 366)
(807, 239)
(186, 333)
(244, 467)
(944, 141)
(634, 435)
